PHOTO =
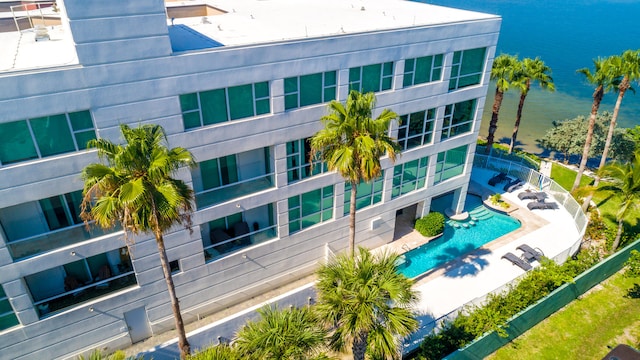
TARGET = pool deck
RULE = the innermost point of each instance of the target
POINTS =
(468, 279)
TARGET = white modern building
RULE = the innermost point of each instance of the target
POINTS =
(242, 84)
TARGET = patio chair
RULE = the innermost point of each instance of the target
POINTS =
(498, 178)
(541, 205)
(517, 261)
(530, 253)
(513, 185)
(532, 195)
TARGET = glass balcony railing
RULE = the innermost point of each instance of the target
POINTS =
(85, 293)
(38, 244)
(228, 244)
(235, 190)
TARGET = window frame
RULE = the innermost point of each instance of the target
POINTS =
(399, 174)
(450, 123)
(374, 195)
(297, 223)
(38, 148)
(256, 102)
(456, 76)
(409, 74)
(324, 87)
(425, 136)
(384, 75)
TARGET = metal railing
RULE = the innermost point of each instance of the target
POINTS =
(535, 179)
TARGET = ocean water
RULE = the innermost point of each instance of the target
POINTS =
(567, 35)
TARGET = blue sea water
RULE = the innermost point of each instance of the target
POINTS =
(567, 35)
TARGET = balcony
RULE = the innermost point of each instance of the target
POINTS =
(52, 240)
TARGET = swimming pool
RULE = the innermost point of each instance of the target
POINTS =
(459, 238)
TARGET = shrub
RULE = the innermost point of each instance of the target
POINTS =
(632, 266)
(475, 320)
(431, 225)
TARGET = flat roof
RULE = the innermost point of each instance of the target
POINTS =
(244, 22)
(261, 21)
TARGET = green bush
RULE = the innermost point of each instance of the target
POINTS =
(632, 266)
(431, 225)
(474, 321)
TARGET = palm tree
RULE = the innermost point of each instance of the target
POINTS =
(136, 190)
(533, 70)
(217, 352)
(625, 182)
(601, 78)
(352, 143)
(627, 67)
(366, 303)
(292, 334)
(502, 72)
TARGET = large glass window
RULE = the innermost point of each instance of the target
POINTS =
(220, 105)
(367, 194)
(7, 315)
(458, 118)
(309, 89)
(45, 136)
(74, 283)
(233, 176)
(237, 231)
(299, 165)
(371, 78)
(422, 70)
(409, 176)
(416, 129)
(47, 224)
(467, 68)
(310, 208)
(450, 163)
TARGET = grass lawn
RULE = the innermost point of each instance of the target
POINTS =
(603, 317)
(565, 176)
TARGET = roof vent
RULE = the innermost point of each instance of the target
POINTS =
(41, 33)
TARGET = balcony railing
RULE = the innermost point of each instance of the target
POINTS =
(235, 190)
(41, 243)
(85, 293)
(236, 243)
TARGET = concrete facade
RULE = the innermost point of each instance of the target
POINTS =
(127, 73)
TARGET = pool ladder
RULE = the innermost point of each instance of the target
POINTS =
(406, 247)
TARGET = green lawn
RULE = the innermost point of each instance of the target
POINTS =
(565, 176)
(603, 317)
(604, 200)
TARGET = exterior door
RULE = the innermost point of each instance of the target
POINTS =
(138, 324)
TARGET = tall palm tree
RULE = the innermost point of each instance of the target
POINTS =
(625, 182)
(291, 334)
(352, 143)
(603, 81)
(533, 70)
(366, 303)
(626, 67)
(136, 189)
(503, 71)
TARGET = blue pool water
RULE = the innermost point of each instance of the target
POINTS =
(459, 238)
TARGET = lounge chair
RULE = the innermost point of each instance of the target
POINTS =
(498, 178)
(530, 253)
(513, 185)
(531, 195)
(517, 261)
(541, 205)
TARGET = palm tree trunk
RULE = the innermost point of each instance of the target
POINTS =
(352, 220)
(493, 125)
(359, 347)
(516, 126)
(624, 85)
(597, 98)
(183, 344)
(616, 241)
